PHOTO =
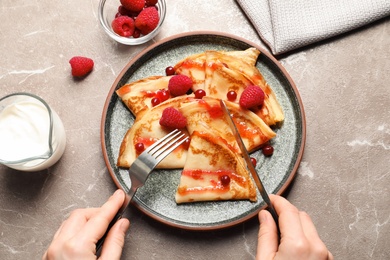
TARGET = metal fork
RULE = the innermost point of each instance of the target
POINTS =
(143, 166)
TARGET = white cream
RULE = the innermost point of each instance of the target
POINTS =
(24, 133)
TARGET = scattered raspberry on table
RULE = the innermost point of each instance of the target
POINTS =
(81, 66)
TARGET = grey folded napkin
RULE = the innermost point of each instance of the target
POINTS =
(285, 25)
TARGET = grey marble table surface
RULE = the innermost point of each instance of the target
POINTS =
(343, 180)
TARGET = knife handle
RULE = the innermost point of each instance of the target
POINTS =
(275, 216)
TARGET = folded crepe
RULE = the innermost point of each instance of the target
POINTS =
(204, 181)
(218, 72)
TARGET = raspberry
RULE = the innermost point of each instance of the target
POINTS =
(147, 20)
(179, 85)
(122, 11)
(133, 5)
(252, 97)
(123, 26)
(81, 66)
(172, 118)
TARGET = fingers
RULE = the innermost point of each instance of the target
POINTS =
(79, 217)
(268, 240)
(97, 225)
(318, 247)
(113, 245)
(78, 235)
(299, 236)
(289, 219)
(75, 222)
(68, 229)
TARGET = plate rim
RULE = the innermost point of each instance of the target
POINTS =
(113, 88)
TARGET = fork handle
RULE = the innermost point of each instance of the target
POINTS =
(100, 242)
(118, 215)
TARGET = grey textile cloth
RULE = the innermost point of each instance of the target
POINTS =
(285, 25)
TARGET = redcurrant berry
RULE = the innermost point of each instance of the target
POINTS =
(199, 93)
(186, 144)
(231, 95)
(268, 150)
(155, 101)
(139, 147)
(162, 94)
(150, 93)
(254, 161)
(169, 71)
(225, 180)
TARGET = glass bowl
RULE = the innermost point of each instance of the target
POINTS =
(109, 8)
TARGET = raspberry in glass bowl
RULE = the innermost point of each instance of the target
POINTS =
(131, 27)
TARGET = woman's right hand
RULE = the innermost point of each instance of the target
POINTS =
(298, 236)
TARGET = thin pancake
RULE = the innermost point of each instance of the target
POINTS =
(137, 95)
(147, 129)
(207, 115)
(203, 181)
(271, 111)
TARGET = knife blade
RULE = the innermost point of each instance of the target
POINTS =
(249, 163)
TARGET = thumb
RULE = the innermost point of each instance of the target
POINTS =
(268, 242)
(113, 246)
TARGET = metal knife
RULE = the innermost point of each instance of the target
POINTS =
(249, 163)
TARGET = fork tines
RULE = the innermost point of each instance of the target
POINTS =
(167, 144)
